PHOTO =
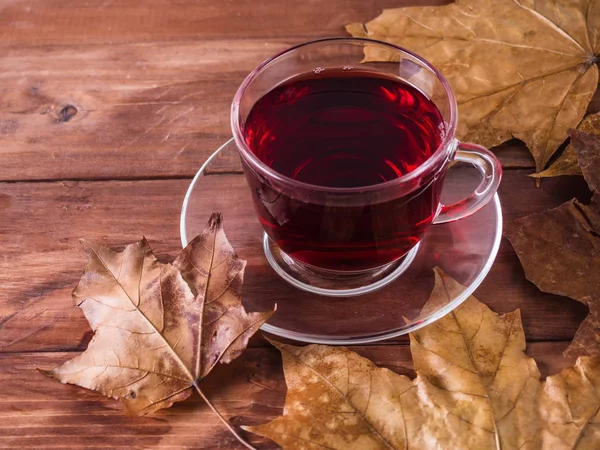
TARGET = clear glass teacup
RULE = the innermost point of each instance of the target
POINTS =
(346, 160)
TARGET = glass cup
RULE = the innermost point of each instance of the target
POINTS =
(343, 241)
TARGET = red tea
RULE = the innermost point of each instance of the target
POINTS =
(344, 129)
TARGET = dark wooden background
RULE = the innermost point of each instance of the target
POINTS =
(107, 109)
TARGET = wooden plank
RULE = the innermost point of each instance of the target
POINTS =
(134, 111)
(37, 412)
(130, 111)
(45, 22)
(41, 259)
(514, 155)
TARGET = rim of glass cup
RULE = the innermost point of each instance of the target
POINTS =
(262, 168)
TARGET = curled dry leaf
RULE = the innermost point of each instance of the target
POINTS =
(587, 147)
(519, 68)
(560, 248)
(159, 329)
(567, 163)
(475, 389)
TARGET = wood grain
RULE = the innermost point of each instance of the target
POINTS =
(107, 109)
(130, 111)
(146, 108)
(68, 22)
(37, 412)
(137, 110)
(41, 260)
(148, 84)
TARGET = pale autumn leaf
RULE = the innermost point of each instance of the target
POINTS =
(475, 389)
(569, 407)
(523, 69)
(159, 328)
(567, 163)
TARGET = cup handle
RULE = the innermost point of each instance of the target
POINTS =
(491, 172)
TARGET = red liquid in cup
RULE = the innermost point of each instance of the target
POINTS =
(345, 129)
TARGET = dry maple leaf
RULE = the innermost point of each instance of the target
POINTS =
(475, 389)
(159, 328)
(560, 248)
(519, 68)
(567, 163)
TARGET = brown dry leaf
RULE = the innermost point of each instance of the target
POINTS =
(560, 248)
(159, 328)
(587, 146)
(567, 163)
(475, 389)
(519, 68)
(560, 252)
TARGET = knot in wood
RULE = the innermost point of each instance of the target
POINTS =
(66, 114)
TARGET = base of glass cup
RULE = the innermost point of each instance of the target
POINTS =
(330, 283)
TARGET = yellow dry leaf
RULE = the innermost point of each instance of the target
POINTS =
(519, 68)
(475, 389)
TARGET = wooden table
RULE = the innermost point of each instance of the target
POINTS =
(107, 109)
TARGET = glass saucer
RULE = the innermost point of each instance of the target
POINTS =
(465, 250)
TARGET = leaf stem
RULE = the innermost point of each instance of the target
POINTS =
(225, 422)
